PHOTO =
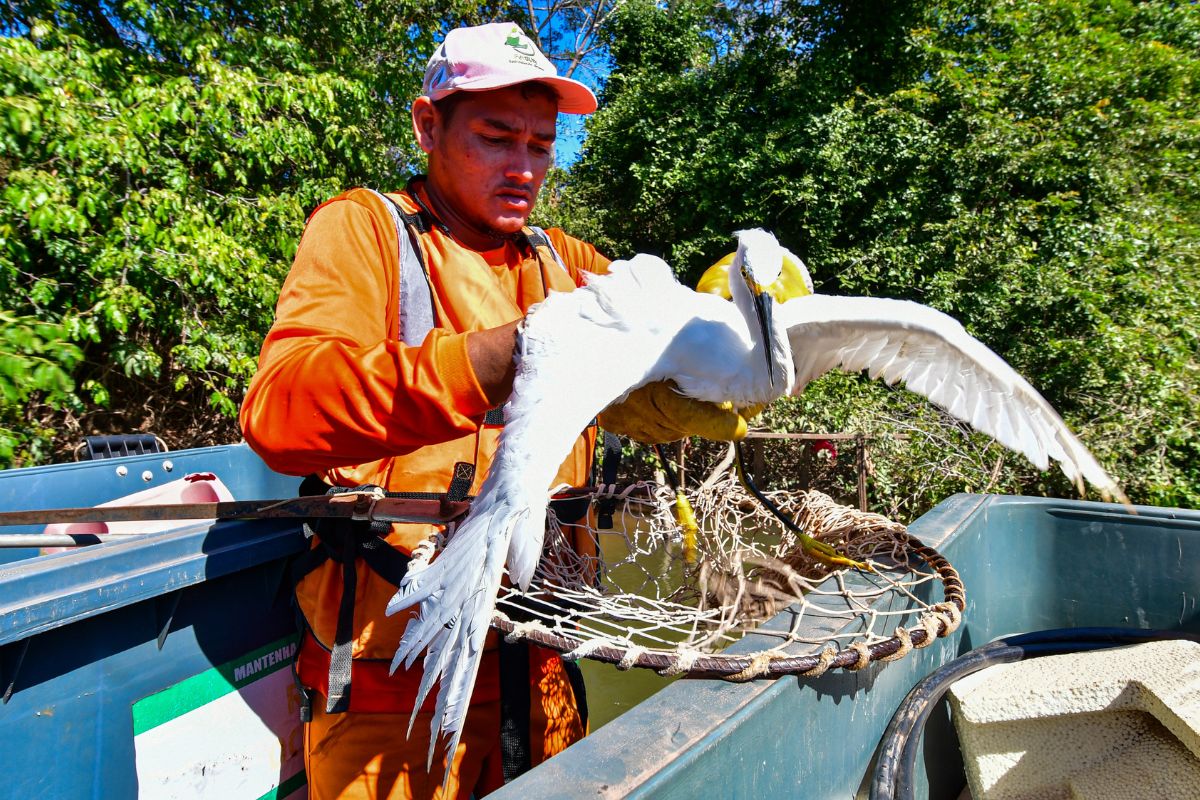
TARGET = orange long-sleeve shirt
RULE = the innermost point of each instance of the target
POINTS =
(336, 387)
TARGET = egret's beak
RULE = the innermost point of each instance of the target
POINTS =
(764, 309)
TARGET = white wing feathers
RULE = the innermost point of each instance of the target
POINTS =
(928, 351)
(456, 593)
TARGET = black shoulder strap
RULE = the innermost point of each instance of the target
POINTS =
(536, 237)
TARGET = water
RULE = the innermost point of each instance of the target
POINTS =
(611, 692)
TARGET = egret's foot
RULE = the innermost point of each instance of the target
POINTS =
(686, 517)
(828, 556)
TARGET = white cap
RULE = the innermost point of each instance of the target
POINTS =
(494, 56)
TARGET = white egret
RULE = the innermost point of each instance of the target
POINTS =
(637, 325)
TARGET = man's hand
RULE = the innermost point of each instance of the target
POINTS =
(657, 413)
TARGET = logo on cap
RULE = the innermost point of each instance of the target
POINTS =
(523, 47)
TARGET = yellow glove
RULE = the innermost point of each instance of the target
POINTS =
(657, 413)
(794, 280)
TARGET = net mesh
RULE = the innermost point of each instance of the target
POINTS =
(636, 594)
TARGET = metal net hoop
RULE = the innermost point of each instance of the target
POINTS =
(637, 595)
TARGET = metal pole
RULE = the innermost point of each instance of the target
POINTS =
(58, 540)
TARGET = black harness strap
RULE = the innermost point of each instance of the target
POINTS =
(612, 462)
(460, 484)
(516, 754)
(575, 676)
(423, 221)
(365, 539)
(340, 658)
(345, 541)
(537, 238)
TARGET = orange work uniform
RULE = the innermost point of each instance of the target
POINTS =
(340, 394)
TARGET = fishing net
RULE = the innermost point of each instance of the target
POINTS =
(639, 594)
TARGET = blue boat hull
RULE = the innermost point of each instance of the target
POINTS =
(1028, 564)
(106, 650)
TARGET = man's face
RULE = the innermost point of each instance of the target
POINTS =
(488, 161)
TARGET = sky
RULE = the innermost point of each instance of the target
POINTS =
(593, 72)
(569, 141)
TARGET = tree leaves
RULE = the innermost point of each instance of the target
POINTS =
(156, 167)
(1028, 166)
(35, 365)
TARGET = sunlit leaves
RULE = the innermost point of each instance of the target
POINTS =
(35, 365)
(156, 167)
(1029, 166)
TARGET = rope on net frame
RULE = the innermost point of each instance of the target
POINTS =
(628, 596)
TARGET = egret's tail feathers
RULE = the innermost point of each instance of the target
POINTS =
(525, 546)
(455, 596)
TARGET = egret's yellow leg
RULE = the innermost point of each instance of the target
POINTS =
(814, 548)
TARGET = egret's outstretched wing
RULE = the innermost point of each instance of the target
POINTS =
(934, 356)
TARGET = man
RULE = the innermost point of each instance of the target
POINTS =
(374, 376)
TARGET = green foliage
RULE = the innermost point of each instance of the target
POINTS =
(157, 163)
(1029, 167)
(35, 365)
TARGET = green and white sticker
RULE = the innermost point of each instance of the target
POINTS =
(230, 732)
